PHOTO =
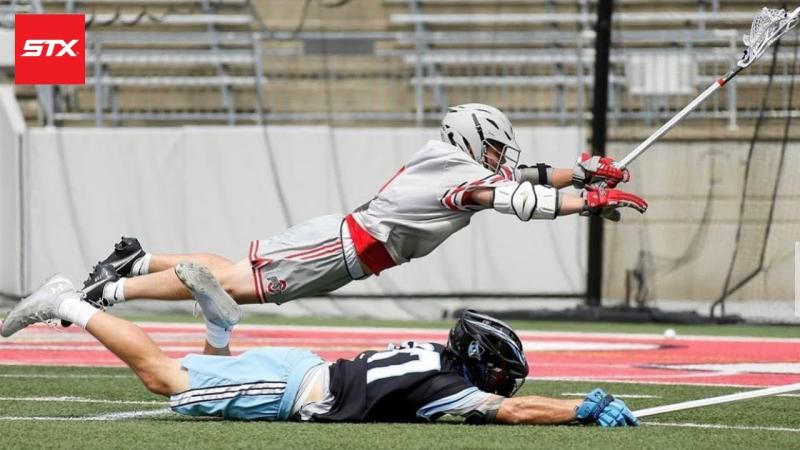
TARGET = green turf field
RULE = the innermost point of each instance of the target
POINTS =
(33, 393)
(91, 408)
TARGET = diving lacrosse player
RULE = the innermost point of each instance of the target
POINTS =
(473, 376)
(473, 167)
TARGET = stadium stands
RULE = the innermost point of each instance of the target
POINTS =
(234, 61)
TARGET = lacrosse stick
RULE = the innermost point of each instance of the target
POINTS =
(717, 400)
(768, 26)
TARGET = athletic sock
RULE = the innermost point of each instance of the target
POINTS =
(216, 336)
(75, 310)
(141, 266)
(114, 291)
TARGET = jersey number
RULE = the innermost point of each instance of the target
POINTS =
(422, 360)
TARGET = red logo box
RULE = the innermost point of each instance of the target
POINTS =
(49, 49)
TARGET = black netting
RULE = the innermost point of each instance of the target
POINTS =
(763, 184)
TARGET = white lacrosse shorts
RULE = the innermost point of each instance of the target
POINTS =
(312, 258)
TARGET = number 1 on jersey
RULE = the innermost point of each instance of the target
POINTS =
(409, 360)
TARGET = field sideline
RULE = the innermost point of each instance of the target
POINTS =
(106, 407)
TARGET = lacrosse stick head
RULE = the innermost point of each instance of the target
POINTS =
(768, 26)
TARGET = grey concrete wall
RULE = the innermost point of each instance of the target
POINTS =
(11, 128)
(212, 189)
(685, 260)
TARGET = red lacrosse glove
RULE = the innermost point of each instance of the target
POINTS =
(592, 169)
(605, 201)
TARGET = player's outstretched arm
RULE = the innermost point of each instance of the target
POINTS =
(597, 408)
(545, 175)
(528, 201)
(588, 170)
(534, 410)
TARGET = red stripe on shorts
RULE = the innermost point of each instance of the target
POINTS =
(324, 252)
(255, 264)
(315, 249)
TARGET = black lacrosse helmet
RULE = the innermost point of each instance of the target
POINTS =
(490, 351)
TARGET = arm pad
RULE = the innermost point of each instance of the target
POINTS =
(538, 174)
(527, 201)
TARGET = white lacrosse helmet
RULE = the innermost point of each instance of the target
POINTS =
(472, 127)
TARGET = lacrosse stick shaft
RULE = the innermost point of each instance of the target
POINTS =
(718, 400)
(675, 119)
(766, 29)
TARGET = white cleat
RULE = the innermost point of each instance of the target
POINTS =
(40, 306)
(218, 307)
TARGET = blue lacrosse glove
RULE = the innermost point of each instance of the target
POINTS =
(605, 410)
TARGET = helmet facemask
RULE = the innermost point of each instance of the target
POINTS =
(507, 155)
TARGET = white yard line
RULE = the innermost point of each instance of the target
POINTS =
(102, 417)
(130, 414)
(720, 427)
(583, 394)
(80, 400)
(620, 381)
(646, 377)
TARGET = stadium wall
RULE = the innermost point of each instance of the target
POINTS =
(683, 246)
(197, 189)
(12, 128)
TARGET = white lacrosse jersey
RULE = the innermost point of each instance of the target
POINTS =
(421, 205)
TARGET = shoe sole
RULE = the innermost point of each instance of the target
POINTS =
(58, 284)
(217, 305)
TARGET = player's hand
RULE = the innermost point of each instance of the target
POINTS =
(604, 202)
(594, 169)
(605, 410)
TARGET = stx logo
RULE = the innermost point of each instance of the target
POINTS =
(49, 49)
(34, 47)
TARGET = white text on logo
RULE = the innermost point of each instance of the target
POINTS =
(34, 47)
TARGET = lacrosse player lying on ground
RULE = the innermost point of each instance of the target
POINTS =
(474, 376)
(472, 168)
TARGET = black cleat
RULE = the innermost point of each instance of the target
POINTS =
(126, 251)
(93, 286)
(92, 292)
(121, 260)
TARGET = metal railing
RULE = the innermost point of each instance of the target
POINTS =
(541, 70)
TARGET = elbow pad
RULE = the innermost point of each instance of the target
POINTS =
(527, 201)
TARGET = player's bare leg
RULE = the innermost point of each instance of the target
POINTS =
(158, 372)
(160, 263)
(57, 299)
(236, 279)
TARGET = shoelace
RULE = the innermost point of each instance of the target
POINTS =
(197, 311)
(101, 304)
(39, 317)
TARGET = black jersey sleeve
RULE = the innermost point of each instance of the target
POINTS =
(415, 382)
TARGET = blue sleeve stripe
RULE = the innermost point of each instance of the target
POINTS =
(459, 402)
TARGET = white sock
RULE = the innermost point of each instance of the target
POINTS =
(217, 336)
(75, 310)
(114, 291)
(141, 266)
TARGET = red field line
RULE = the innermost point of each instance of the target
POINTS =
(552, 355)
